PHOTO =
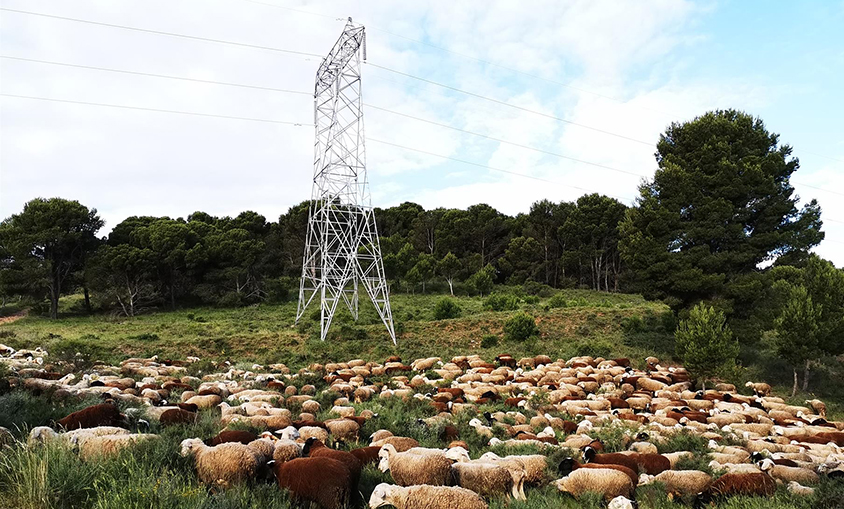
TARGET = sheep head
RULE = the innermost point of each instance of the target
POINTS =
(458, 454)
(380, 495)
(190, 446)
(384, 456)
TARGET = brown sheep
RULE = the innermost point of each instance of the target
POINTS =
(177, 416)
(740, 484)
(104, 414)
(244, 437)
(320, 480)
(366, 455)
(313, 448)
(611, 458)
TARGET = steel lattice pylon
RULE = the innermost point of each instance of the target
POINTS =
(342, 250)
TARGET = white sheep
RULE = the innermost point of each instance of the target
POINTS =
(609, 483)
(96, 446)
(425, 497)
(222, 464)
(787, 474)
(415, 466)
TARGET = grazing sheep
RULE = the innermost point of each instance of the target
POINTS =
(343, 429)
(321, 480)
(533, 465)
(205, 401)
(786, 474)
(97, 446)
(485, 479)
(796, 488)
(381, 434)
(401, 444)
(412, 467)
(314, 448)
(366, 455)
(621, 502)
(306, 432)
(224, 464)
(760, 389)
(177, 416)
(612, 458)
(286, 450)
(818, 406)
(682, 482)
(425, 497)
(104, 414)
(608, 482)
(569, 464)
(760, 484)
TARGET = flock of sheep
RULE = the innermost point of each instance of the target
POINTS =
(562, 408)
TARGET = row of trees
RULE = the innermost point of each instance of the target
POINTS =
(51, 248)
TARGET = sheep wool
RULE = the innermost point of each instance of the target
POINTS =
(425, 497)
(609, 483)
(96, 446)
(321, 480)
(409, 468)
(788, 474)
(684, 482)
(224, 464)
(485, 479)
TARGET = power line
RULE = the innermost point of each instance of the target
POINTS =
(504, 103)
(138, 73)
(495, 169)
(271, 121)
(446, 126)
(161, 32)
(157, 110)
(499, 140)
(272, 89)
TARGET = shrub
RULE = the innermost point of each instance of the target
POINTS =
(557, 301)
(520, 327)
(489, 340)
(705, 342)
(446, 308)
(538, 289)
(501, 302)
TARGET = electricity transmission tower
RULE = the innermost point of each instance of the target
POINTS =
(342, 250)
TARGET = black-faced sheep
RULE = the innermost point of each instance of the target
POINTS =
(321, 480)
(608, 482)
(425, 497)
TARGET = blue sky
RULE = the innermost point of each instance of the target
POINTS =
(628, 68)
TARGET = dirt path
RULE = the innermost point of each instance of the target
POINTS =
(14, 317)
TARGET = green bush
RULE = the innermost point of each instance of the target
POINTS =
(557, 301)
(501, 302)
(538, 289)
(705, 342)
(446, 308)
(520, 327)
(489, 340)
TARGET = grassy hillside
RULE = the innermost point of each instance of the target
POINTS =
(589, 323)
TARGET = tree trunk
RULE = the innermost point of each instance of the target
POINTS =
(55, 292)
(87, 299)
(450, 286)
(794, 387)
(806, 376)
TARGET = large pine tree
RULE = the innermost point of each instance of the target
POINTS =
(719, 205)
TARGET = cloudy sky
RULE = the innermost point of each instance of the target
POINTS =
(613, 73)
